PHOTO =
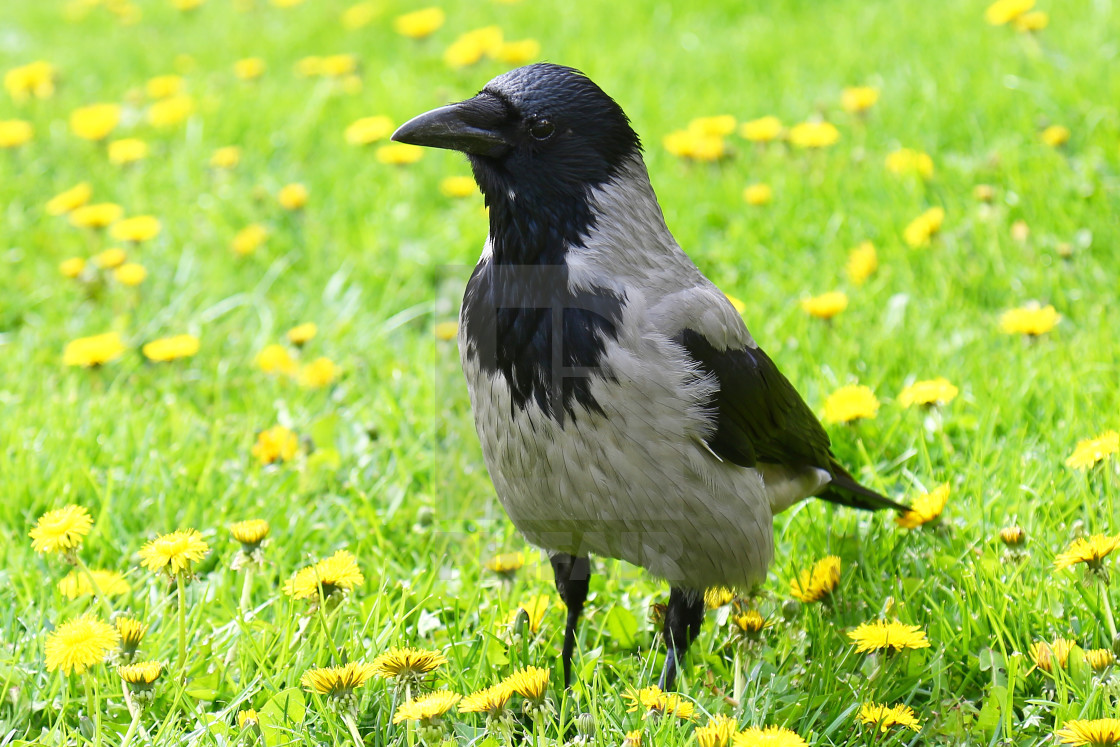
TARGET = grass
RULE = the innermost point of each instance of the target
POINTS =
(390, 468)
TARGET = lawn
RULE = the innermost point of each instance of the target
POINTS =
(355, 437)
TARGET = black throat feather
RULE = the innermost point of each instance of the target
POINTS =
(521, 318)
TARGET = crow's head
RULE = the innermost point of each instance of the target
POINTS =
(540, 132)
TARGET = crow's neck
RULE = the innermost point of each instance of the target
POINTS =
(535, 226)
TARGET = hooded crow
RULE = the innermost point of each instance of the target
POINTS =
(624, 409)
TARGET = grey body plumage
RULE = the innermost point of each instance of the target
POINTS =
(624, 409)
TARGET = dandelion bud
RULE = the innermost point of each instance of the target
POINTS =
(585, 724)
(791, 608)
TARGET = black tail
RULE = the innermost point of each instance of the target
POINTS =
(847, 492)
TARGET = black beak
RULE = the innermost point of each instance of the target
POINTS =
(472, 126)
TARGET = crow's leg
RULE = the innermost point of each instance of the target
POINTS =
(683, 617)
(573, 574)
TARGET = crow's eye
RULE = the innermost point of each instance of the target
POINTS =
(541, 129)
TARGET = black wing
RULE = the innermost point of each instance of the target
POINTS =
(760, 417)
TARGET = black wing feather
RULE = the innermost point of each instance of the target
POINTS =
(762, 419)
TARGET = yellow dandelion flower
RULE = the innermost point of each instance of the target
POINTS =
(1100, 659)
(1055, 136)
(518, 52)
(653, 699)
(79, 644)
(761, 130)
(984, 192)
(171, 348)
(399, 154)
(407, 662)
(130, 273)
(127, 150)
(338, 65)
(1090, 551)
(35, 79)
(862, 263)
(427, 707)
(446, 331)
(275, 444)
(530, 683)
(318, 373)
(695, 144)
(849, 403)
(892, 636)
(337, 682)
(69, 199)
(818, 582)
(1089, 451)
(78, 583)
(858, 99)
(163, 86)
(920, 231)
(249, 68)
(360, 15)
(336, 574)
(276, 359)
(1005, 11)
(99, 215)
(749, 623)
(758, 194)
(301, 334)
(886, 717)
(718, 125)
(826, 305)
(718, 732)
(249, 239)
(15, 132)
(457, 186)
(226, 157)
(909, 162)
(170, 111)
(534, 608)
(1036, 20)
(61, 530)
(90, 352)
(470, 47)
(140, 676)
(368, 130)
(72, 267)
(1047, 655)
(419, 23)
(131, 632)
(110, 258)
(1012, 536)
(250, 533)
(1031, 319)
(718, 596)
(925, 508)
(506, 563)
(1101, 732)
(292, 196)
(96, 121)
(248, 718)
(139, 228)
(928, 392)
(491, 700)
(174, 552)
(770, 736)
(814, 135)
(647, 698)
(187, 5)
